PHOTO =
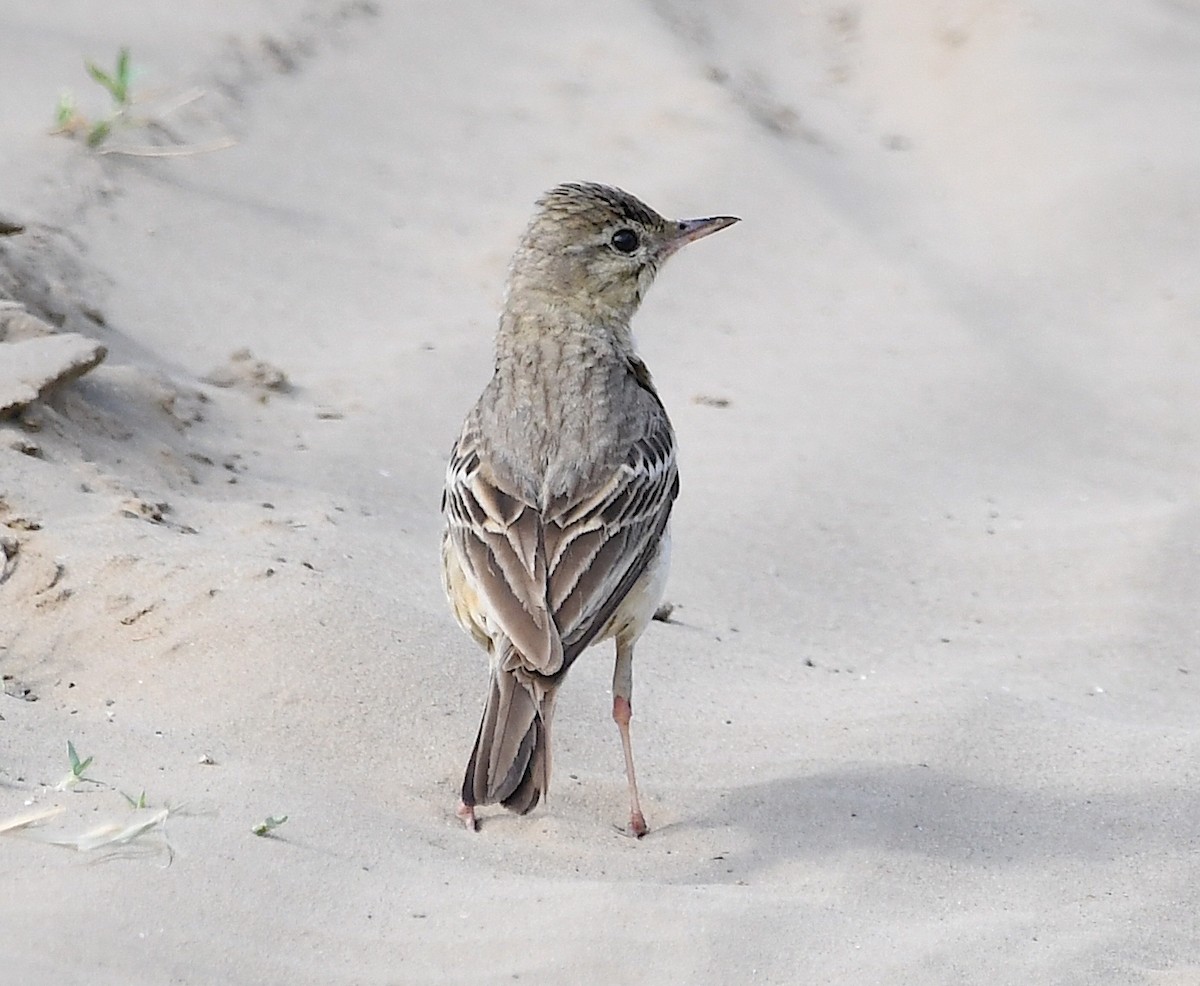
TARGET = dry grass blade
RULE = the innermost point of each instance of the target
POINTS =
(185, 150)
(114, 833)
(30, 818)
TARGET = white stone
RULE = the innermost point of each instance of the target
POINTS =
(31, 368)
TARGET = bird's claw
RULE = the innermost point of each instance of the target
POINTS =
(636, 828)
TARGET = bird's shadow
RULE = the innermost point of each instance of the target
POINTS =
(926, 812)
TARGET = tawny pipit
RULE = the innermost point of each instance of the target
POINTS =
(559, 489)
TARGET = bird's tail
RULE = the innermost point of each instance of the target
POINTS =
(511, 760)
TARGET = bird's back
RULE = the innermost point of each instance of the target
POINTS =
(562, 412)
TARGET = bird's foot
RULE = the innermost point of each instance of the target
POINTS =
(466, 814)
(637, 825)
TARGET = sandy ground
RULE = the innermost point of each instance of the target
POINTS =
(929, 711)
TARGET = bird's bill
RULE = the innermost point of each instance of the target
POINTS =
(687, 230)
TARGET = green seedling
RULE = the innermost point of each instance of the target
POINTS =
(266, 826)
(76, 774)
(65, 113)
(118, 86)
(77, 766)
(138, 802)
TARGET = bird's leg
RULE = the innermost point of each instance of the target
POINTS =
(466, 814)
(622, 712)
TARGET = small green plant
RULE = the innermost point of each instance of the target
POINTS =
(151, 121)
(270, 823)
(76, 773)
(138, 802)
(117, 84)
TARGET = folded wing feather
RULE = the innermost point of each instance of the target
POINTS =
(553, 575)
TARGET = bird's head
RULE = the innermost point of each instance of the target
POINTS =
(596, 249)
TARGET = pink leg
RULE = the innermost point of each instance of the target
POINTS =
(622, 712)
(466, 813)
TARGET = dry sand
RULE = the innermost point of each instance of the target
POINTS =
(929, 712)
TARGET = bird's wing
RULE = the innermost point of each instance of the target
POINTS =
(598, 546)
(497, 536)
(552, 579)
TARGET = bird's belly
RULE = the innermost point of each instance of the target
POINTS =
(468, 608)
(637, 609)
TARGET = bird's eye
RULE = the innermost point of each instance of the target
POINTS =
(625, 241)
